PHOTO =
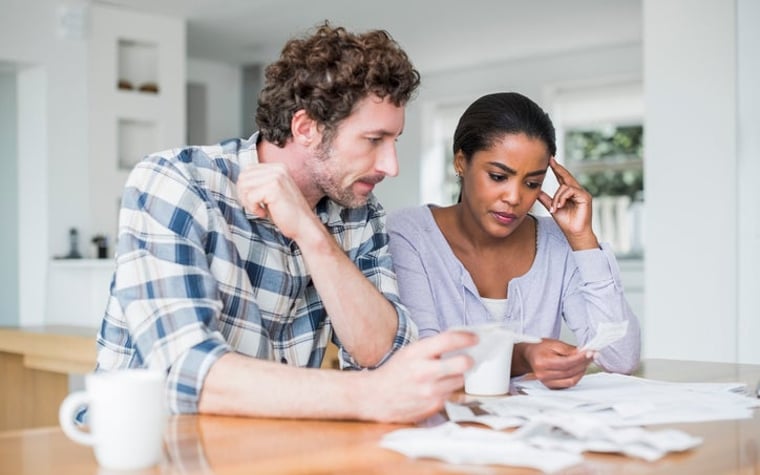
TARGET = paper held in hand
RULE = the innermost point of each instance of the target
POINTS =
(492, 355)
(607, 333)
(490, 337)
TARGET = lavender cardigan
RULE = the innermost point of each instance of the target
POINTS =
(581, 287)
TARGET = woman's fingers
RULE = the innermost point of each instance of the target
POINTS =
(545, 200)
(564, 177)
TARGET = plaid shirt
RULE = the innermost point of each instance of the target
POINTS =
(197, 276)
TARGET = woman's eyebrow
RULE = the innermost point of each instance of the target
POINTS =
(510, 171)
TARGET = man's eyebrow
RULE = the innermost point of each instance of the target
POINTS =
(383, 132)
(510, 171)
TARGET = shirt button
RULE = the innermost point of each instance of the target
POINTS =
(284, 360)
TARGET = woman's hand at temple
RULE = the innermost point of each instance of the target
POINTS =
(571, 209)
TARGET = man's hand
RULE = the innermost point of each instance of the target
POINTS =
(555, 363)
(268, 191)
(417, 380)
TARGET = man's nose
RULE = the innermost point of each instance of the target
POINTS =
(387, 162)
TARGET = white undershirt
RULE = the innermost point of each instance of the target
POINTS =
(496, 307)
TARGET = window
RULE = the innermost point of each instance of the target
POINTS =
(438, 181)
(600, 140)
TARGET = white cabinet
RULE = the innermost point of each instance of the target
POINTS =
(78, 291)
(136, 76)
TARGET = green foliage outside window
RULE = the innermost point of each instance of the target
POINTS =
(607, 160)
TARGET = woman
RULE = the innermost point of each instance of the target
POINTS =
(488, 259)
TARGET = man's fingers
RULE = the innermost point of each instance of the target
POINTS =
(453, 365)
(450, 384)
(445, 342)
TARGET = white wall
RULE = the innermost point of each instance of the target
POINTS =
(224, 94)
(748, 170)
(691, 180)
(52, 141)
(9, 200)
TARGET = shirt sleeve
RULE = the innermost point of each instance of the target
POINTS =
(164, 304)
(374, 261)
(413, 280)
(595, 295)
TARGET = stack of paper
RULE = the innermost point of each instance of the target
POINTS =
(556, 426)
(620, 400)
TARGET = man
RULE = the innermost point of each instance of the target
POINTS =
(238, 262)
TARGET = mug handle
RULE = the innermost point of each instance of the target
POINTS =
(66, 413)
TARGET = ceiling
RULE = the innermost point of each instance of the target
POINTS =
(437, 34)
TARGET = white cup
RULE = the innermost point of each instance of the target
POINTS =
(492, 355)
(126, 415)
(490, 374)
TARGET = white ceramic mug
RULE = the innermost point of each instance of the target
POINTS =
(490, 375)
(493, 358)
(126, 415)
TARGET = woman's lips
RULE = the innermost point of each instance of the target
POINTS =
(504, 218)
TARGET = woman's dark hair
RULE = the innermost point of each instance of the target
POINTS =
(326, 74)
(492, 116)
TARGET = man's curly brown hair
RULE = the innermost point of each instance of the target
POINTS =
(326, 74)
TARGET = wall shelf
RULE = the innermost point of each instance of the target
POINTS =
(136, 138)
(137, 66)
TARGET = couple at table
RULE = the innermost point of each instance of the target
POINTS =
(237, 263)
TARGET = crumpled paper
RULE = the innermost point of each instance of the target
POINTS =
(547, 443)
(474, 446)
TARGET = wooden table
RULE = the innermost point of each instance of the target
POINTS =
(35, 364)
(228, 445)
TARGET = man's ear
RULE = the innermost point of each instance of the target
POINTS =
(304, 129)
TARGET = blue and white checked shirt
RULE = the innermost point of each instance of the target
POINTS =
(197, 276)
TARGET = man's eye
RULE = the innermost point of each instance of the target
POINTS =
(374, 140)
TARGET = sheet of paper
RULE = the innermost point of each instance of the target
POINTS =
(474, 412)
(606, 334)
(490, 336)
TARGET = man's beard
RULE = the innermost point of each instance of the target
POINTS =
(327, 177)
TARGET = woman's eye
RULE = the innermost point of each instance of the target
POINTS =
(496, 177)
(533, 185)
